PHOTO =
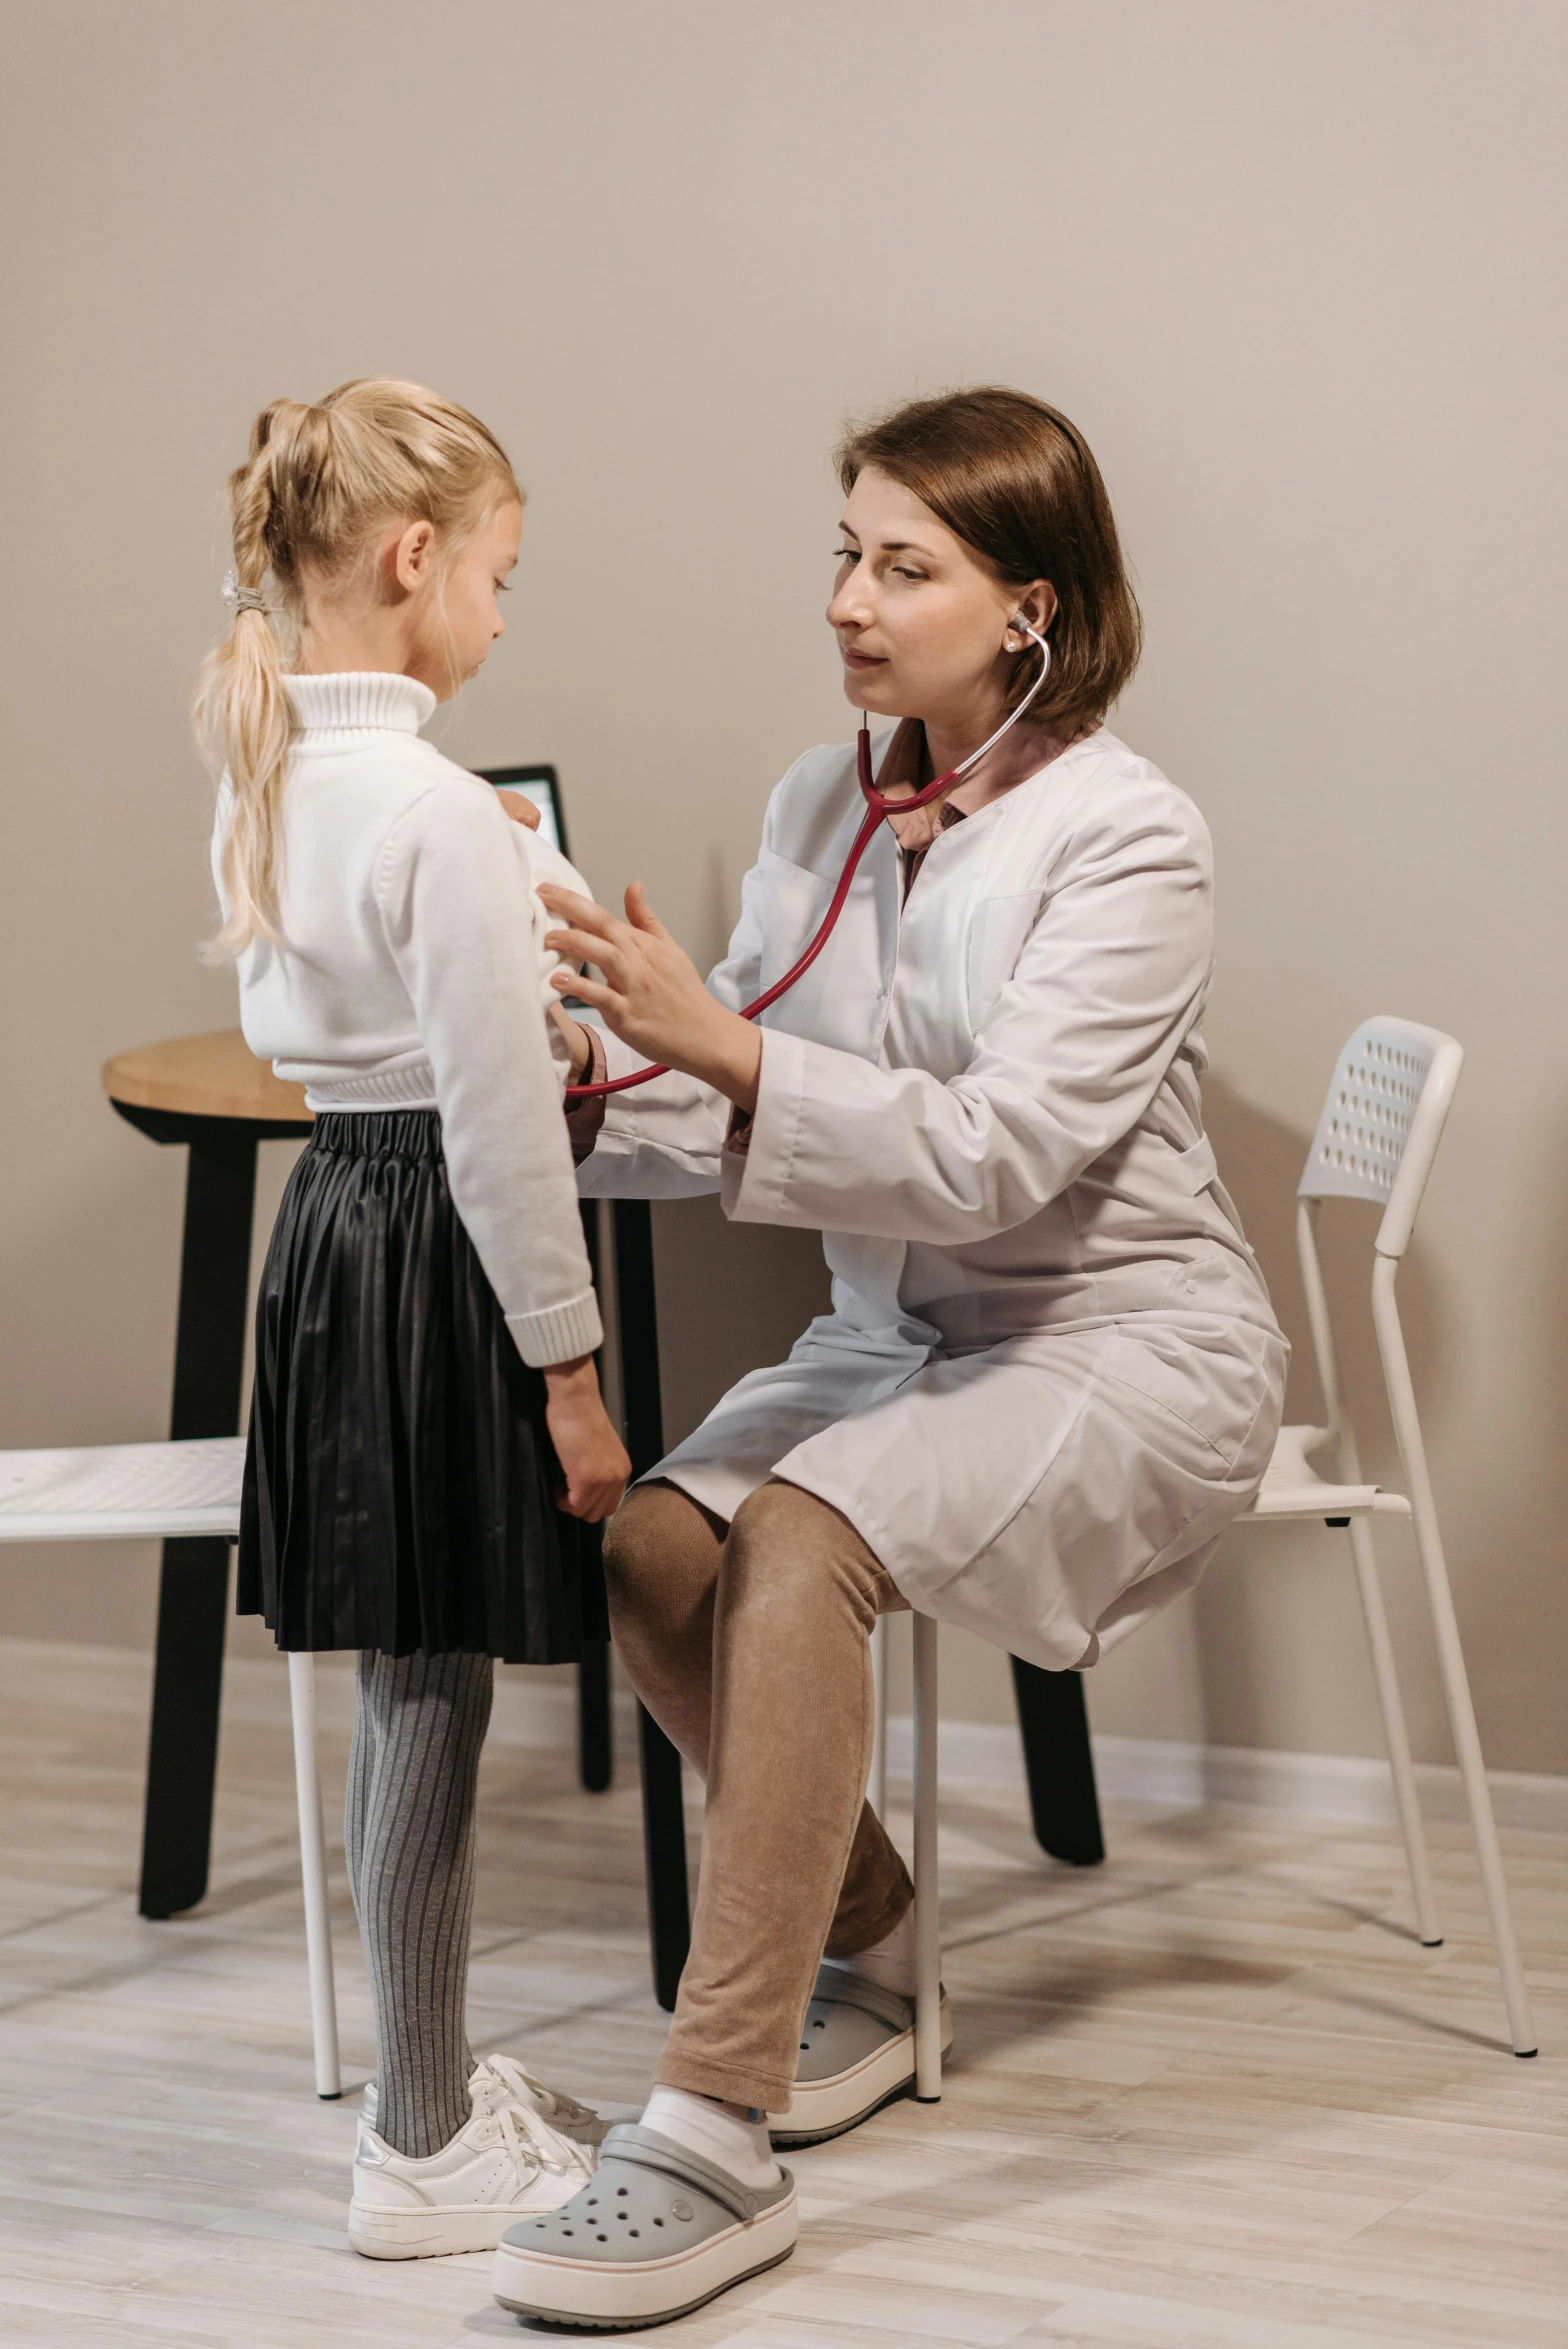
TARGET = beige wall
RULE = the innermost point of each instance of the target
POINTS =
(1294, 272)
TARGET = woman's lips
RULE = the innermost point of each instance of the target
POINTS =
(859, 660)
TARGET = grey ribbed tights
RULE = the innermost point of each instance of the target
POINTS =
(408, 1830)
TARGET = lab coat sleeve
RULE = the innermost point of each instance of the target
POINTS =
(1067, 1058)
(455, 903)
(665, 1140)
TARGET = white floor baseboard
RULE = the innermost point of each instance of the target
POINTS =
(1192, 1777)
(1157, 1771)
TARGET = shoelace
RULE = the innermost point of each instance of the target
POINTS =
(544, 2149)
(526, 2090)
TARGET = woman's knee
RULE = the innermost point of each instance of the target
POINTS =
(795, 1552)
(660, 1544)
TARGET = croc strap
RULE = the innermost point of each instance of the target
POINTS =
(645, 2149)
(841, 1988)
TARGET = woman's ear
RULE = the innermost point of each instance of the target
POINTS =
(1037, 605)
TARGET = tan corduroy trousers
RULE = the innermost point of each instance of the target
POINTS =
(750, 1646)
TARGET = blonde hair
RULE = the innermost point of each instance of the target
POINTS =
(318, 484)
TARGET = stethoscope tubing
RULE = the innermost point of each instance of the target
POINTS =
(878, 809)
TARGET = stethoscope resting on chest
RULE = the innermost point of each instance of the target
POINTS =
(878, 809)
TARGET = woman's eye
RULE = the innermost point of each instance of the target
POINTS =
(903, 573)
(846, 554)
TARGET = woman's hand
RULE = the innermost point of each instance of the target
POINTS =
(592, 1456)
(652, 994)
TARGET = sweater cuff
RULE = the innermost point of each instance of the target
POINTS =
(561, 1333)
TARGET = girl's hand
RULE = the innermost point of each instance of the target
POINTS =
(520, 808)
(652, 994)
(592, 1456)
(577, 1043)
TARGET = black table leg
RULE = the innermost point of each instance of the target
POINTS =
(182, 1757)
(664, 1855)
(1059, 1764)
(663, 1807)
(595, 1742)
(595, 1729)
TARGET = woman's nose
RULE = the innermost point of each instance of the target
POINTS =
(847, 609)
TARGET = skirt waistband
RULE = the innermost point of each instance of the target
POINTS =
(379, 1133)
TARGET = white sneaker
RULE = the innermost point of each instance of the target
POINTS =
(501, 2080)
(506, 2163)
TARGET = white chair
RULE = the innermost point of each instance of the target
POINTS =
(928, 1912)
(1378, 1135)
(130, 1492)
(1384, 1116)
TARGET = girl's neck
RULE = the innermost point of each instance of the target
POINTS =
(331, 643)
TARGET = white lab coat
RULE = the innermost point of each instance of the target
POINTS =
(1051, 1374)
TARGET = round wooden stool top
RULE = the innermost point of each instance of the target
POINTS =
(204, 1076)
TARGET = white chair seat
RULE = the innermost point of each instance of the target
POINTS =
(1291, 1488)
(105, 1492)
(188, 1490)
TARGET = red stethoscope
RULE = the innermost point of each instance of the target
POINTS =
(878, 810)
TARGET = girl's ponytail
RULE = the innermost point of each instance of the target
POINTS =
(243, 718)
(316, 485)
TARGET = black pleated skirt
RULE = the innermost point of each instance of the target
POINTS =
(399, 1479)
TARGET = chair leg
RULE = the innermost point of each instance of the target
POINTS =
(1445, 1625)
(928, 1912)
(1472, 1771)
(1407, 1802)
(876, 1792)
(313, 1869)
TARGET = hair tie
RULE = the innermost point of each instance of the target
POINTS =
(242, 599)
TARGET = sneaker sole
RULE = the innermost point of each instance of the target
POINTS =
(430, 2234)
(626, 2297)
(820, 2109)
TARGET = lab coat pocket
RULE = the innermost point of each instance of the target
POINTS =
(1211, 1375)
(836, 1002)
(794, 900)
(998, 932)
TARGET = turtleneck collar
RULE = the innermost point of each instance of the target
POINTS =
(356, 699)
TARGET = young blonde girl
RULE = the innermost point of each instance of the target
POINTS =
(429, 1456)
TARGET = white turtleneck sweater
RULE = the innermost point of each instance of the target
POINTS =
(412, 975)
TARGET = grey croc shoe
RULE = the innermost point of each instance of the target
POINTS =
(857, 2053)
(655, 2233)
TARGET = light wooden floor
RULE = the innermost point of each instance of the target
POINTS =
(1206, 2094)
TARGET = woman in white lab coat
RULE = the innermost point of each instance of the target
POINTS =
(1051, 1374)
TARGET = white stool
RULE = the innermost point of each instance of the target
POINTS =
(1384, 1116)
(135, 1492)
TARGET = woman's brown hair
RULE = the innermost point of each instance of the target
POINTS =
(1017, 482)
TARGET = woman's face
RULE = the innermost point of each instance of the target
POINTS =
(923, 628)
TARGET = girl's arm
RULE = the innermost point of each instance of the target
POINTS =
(454, 902)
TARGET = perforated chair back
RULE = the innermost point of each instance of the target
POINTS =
(1387, 1105)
